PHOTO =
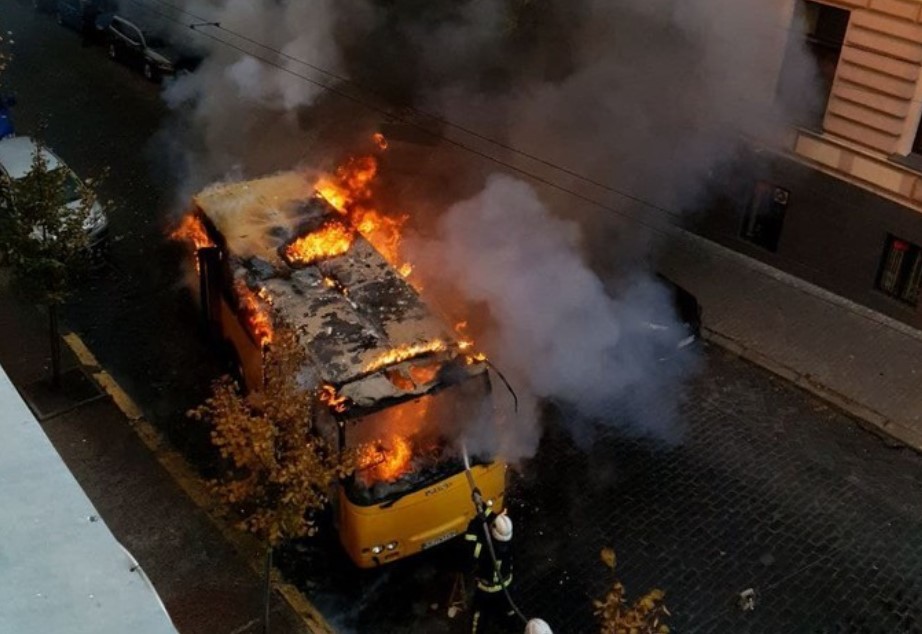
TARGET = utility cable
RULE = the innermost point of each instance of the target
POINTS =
(469, 131)
(460, 145)
(490, 158)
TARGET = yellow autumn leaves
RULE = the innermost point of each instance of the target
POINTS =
(645, 616)
(276, 469)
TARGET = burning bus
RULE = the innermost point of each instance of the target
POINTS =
(389, 378)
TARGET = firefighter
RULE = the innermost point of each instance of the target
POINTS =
(491, 579)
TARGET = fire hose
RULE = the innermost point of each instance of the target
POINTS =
(479, 506)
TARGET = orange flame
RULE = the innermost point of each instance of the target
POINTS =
(424, 374)
(379, 140)
(466, 345)
(252, 310)
(350, 184)
(386, 463)
(333, 400)
(192, 230)
(331, 240)
(349, 191)
(402, 353)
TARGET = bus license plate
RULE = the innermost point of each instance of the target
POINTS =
(438, 540)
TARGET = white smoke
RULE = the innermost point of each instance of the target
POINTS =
(239, 114)
(551, 325)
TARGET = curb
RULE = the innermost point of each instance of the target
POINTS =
(196, 488)
(868, 418)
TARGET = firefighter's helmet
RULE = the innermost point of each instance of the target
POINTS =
(537, 626)
(502, 528)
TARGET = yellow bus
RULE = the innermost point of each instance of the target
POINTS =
(388, 375)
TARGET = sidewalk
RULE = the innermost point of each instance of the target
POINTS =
(861, 361)
(206, 584)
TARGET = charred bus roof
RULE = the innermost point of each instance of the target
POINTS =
(364, 328)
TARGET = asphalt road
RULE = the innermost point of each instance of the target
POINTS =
(103, 119)
(768, 488)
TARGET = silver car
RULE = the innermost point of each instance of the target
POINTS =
(16, 158)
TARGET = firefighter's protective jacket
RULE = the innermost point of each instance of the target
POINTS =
(489, 578)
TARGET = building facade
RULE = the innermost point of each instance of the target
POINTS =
(840, 204)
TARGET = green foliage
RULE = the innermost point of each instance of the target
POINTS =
(646, 615)
(43, 219)
(279, 470)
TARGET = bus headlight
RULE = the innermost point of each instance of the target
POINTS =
(391, 545)
(377, 549)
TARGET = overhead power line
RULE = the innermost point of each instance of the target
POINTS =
(335, 90)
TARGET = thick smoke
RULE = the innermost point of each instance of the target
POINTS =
(643, 95)
(547, 319)
(240, 116)
(646, 95)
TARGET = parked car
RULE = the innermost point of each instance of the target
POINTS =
(129, 44)
(16, 159)
(81, 15)
(687, 308)
(674, 335)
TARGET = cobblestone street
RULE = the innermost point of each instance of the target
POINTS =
(769, 489)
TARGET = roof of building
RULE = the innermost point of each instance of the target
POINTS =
(349, 310)
(63, 570)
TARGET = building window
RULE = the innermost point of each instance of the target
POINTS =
(900, 270)
(765, 216)
(809, 67)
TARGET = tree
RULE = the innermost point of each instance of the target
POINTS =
(43, 233)
(645, 616)
(278, 469)
(4, 54)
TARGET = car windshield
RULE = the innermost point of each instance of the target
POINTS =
(70, 185)
(408, 446)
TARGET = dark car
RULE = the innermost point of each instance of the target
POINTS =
(81, 15)
(687, 308)
(130, 45)
(676, 335)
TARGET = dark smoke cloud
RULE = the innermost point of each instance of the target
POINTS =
(644, 95)
(624, 91)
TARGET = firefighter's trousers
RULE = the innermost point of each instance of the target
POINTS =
(491, 612)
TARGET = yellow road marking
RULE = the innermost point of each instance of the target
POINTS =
(106, 382)
(79, 348)
(196, 488)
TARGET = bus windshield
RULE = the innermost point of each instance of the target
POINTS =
(410, 445)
